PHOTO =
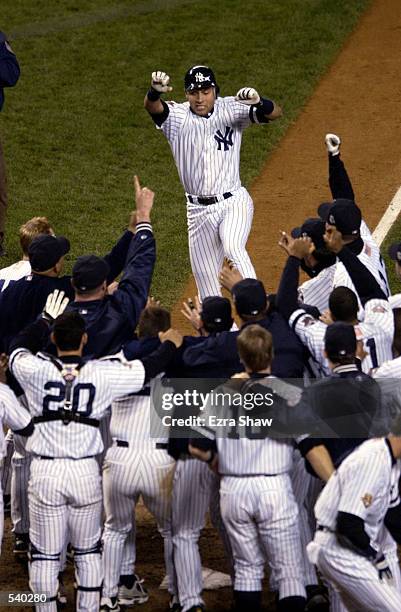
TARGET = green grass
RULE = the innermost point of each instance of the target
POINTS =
(75, 130)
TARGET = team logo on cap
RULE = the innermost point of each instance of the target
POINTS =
(201, 78)
(367, 500)
(332, 221)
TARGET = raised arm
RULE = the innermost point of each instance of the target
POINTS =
(339, 181)
(265, 110)
(287, 295)
(152, 102)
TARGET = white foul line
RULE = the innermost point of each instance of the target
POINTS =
(388, 219)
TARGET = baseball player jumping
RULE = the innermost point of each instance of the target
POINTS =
(205, 135)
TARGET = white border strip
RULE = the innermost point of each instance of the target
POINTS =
(388, 219)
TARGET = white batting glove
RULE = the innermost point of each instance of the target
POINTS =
(248, 95)
(333, 143)
(56, 303)
(160, 82)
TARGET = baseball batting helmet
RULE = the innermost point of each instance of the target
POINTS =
(200, 77)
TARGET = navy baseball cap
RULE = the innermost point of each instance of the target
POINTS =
(394, 252)
(46, 250)
(249, 296)
(216, 312)
(340, 340)
(342, 213)
(314, 228)
(199, 77)
(89, 272)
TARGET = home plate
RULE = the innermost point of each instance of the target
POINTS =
(212, 580)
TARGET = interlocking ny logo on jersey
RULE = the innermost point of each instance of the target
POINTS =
(200, 78)
(226, 140)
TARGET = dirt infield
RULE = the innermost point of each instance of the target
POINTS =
(360, 99)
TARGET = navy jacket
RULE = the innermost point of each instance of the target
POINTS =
(111, 322)
(25, 299)
(9, 67)
(221, 351)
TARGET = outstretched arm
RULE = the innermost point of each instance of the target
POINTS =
(339, 181)
(265, 110)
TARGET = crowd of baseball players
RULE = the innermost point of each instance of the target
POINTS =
(81, 355)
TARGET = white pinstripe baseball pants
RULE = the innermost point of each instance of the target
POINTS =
(1, 505)
(261, 518)
(127, 474)
(65, 497)
(194, 488)
(217, 231)
(354, 581)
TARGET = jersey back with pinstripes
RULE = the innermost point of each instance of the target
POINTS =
(11, 413)
(376, 333)
(207, 149)
(365, 484)
(98, 383)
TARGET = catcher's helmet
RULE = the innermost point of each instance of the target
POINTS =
(200, 77)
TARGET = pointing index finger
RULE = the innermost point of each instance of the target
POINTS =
(137, 185)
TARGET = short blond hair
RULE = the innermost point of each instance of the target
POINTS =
(255, 347)
(32, 228)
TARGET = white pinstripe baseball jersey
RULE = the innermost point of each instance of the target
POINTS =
(365, 484)
(207, 149)
(240, 456)
(389, 369)
(376, 332)
(395, 300)
(97, 384)
(14, 272)
(11, 413)
(316, 291)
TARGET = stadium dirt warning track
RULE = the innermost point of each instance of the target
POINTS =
(358, 98)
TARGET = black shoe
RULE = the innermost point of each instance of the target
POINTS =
(21, 545)
(109, 604)
(317, 599)
(174, 606)
(197, 608)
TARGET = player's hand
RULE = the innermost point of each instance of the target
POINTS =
(160, 82)
(112, 287)
(152, 302)
(333, 143)
(383, 570)
(248, 95)
(242, 375)
(296, 247)
(56, 303)
(229, 276)
(208, 456)
(192, 312)
(144, 198)
(326, 317)
(173, 335)
(333, 239)
(3, 367)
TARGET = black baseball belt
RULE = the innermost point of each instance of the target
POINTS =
(209, 201)
(125, 444)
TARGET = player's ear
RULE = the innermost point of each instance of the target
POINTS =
(52, 338)
(84, 339)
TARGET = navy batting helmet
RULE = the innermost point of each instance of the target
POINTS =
(199, 77)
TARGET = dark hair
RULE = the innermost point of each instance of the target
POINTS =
(343, 304)
(153, 320)
(68, 330)
(255, 347)
(397, 330)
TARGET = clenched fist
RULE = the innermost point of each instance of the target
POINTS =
(160, 82)
(248, 95)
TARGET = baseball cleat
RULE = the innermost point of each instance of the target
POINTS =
(197, 608)
(174, 606)
(317, 599)
(108, 604)
(21, 545)
(61, 593)
(130, 596)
